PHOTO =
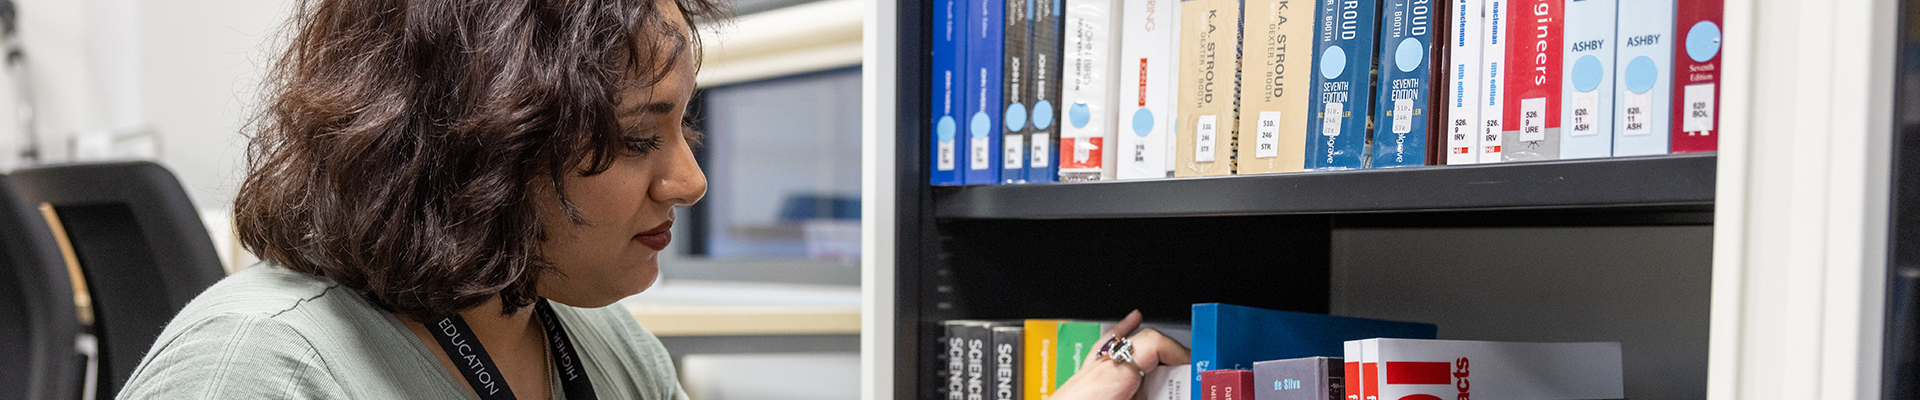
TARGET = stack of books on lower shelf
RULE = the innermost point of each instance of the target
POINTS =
(1252, 353)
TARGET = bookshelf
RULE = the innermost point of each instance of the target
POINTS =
(1777, 282)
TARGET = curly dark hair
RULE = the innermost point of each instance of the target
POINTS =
(398, 139)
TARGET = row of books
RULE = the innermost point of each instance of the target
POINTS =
(1029, 91)
(1417, 369)
(1236, 349)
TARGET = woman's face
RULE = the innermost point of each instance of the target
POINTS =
(629, 208)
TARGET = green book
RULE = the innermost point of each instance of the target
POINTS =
(1077, 339)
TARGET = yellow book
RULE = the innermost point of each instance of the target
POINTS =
(1209, 87)
(1038, 362)
(1274, 93)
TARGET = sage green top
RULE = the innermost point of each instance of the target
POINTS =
(271, 333)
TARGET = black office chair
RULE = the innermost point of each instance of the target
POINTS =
(38, 323)
(140, 244)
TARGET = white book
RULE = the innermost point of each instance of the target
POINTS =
(1465, 93)
(1168, 382)
(1090, 90)
(1498, 370)
(1148, 71)
(1493, 53)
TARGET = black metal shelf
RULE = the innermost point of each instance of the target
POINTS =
(1663, 184)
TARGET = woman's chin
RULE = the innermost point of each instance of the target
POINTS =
(595, 293)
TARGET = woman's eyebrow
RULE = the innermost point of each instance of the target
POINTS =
(649, 108)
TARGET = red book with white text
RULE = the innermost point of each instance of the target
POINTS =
(1531, 121)
(1696, 81)
(1226, 384)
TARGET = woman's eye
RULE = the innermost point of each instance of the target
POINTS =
(643, 145)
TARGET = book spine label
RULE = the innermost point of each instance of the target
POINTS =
(1531, 123)
(1147, 87)
(1464, 94)
(1586, 107)
(1342, 88)
(1406, 38)
(986, 30)
(1276, 64)
(1696, 71)
(1017, 74)
(1493, 62)
(1043, 163)
(1007, 343)
(1209, 87)
(1642, 89)
(949, 103)
(1037, 366)
(1090, 90)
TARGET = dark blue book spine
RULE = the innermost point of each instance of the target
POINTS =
(1017, 74)
(986, 42)
(1406, 41)
(1043, 164)
(949, 151)
(1342, 85)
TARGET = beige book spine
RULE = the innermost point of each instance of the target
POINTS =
(1209, 91)
(1274, 92)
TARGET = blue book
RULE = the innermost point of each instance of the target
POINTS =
(1043, 163)
(1343, 85)
(1234, 337)
(985, 53)
(949, 100)
(1016, 95)
(1643, 89)
(1586, 91)
(1406, 41)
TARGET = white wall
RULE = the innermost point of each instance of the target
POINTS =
(186, 69)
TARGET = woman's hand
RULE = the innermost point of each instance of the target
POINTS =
(1103, 378)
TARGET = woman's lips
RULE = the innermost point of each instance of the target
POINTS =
(656, 238)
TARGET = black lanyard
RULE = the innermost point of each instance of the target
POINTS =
(457, 340)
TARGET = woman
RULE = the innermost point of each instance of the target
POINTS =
(449, 198)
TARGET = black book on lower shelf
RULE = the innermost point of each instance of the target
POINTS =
(972, 366)
(1007, 343)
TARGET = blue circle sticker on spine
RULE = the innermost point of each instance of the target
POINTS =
(980, 124)
(1042, 114)
(1016, 116)
(1703, 41)
(1079, 115)
(1641, 74)
(1587, 73)
(1408, 56)
(1142, 122)
(1333, 62)
(945, 128)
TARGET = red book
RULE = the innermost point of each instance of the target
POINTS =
(1531, 121)
(1696, 76)
(1227, 384)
